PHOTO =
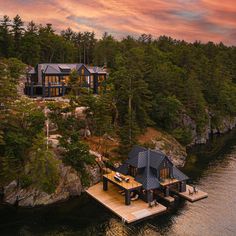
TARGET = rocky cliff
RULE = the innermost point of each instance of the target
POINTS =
(166, 143)
(224, 125)
(69, 185)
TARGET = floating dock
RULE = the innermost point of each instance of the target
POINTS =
(192, 197)
(114, 201)
(168, 199)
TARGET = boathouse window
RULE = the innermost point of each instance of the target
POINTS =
(133, 171)
(165, 173)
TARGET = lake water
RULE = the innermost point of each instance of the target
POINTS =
(211, 167)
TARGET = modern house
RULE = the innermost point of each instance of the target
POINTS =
(52, 80)
(155, 171)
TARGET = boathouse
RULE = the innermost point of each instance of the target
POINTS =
(145, 177)
(52, 80)
(155, 171)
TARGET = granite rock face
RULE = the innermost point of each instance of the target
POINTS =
(166, 143)
(225, 125)
(69, 185)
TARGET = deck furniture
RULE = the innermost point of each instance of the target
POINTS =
(195, 190)
(117, 178)
(128, 187)
(190, 192)
(135, 197)
(153, 203)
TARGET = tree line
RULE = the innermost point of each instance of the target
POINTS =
(170, 84)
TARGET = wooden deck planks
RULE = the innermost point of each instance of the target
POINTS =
(194, 197)
(115, 202)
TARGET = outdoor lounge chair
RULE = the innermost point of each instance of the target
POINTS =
(190, 192)
(153, 203)
(195, 190)
(135, 197)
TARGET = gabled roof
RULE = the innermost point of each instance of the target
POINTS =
(31, 71)
(140, 161)
(52, 70)
(177, 174)
(123, 169)
(148, 179)
(65, 68)
(148, 162)
(156, 158)
(135, 151)
(96, 70)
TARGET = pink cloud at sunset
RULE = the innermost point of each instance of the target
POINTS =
(205, 20)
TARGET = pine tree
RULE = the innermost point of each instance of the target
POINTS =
(6, 40)
(17, 30)
(30, 47)
(42, 168)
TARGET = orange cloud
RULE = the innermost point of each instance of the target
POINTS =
(205, 20)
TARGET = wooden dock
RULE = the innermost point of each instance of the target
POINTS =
(114, 201)
(168, 199)
(193, 197)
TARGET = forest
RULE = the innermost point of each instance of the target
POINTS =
(173, 85)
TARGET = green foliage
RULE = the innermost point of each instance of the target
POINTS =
(25, 181)
(167, 112)
(74, 84)
(42, 168)
(98, 113)
(151, 81)
(22, 122)
(132, 96)
(16, 68)
(183, 135)
(76, 154)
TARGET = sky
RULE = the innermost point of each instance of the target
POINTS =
(190, 20)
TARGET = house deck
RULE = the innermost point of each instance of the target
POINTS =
(114, 201)
(195, 196)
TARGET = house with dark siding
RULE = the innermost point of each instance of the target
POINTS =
(155, 171)
(52, 80)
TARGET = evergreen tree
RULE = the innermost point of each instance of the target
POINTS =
(42, 168)
(17, 30)
(6, 40)
(30, 47)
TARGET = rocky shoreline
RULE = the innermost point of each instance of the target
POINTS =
(226, 125)
(70, 183)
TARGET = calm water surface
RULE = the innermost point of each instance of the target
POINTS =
(211, 167)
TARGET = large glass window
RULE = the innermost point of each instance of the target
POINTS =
(91, 81)
(54, 92)
(65, 79)
(52, 80)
